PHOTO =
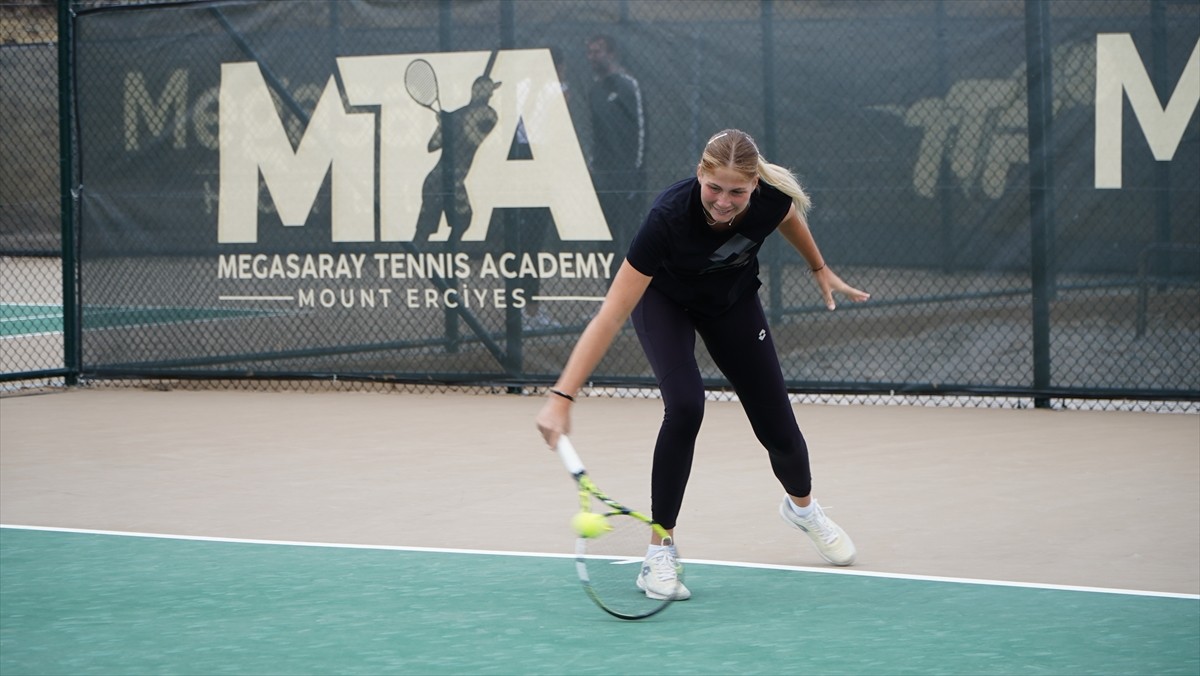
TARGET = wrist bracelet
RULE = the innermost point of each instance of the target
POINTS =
(562, 394)
(816, 270)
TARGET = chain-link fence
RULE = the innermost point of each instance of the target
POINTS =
(31, 278)
(272, 190)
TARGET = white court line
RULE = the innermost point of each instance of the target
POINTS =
(25, 318)
(556, 299)
(734, 564)
(31, 335)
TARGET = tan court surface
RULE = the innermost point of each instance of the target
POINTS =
(1104, 499)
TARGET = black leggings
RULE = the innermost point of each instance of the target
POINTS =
(739, 341)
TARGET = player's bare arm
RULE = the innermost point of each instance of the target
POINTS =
(624, 293)
(794, 229)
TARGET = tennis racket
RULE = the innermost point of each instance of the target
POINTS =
(609, 563)
(422, 84)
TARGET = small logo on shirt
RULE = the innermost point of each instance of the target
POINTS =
(762, 334)
(733, 254)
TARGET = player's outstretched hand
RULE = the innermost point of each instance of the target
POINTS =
(830, 283)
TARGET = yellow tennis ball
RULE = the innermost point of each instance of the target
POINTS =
(590, 524)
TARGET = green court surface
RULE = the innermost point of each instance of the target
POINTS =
(88, 603)
(19, 319)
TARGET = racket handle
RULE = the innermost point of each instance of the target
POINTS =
(566, 453)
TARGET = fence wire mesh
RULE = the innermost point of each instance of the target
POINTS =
(31, 280)
(999, 270)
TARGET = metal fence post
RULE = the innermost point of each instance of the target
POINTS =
(1162, 170)
(769, 145)
(66, 168)
(1041, 137)
(514, 358)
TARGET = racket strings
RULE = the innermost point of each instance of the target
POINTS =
(613, 561)
(421, 82)
(609, 556)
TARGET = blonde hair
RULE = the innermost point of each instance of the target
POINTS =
(735, 149)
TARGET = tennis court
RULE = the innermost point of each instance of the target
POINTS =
(351, 532)
(168, 162)
(21, 319)
(101, 604)
(32, 333)
(29, 319)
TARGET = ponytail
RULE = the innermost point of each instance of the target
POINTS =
(785, 182)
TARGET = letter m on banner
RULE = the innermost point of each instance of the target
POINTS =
(1120, 72)
(253, 141)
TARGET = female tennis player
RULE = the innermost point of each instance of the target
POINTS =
(692, 268)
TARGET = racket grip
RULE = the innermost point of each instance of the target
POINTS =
(566, 453)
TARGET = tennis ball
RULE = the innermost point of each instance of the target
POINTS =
(590, 524)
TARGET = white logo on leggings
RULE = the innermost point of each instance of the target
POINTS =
(762, 334)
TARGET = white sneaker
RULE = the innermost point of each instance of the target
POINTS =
(832, 542)
(660, 575)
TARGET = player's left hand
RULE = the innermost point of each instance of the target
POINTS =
(830, 283)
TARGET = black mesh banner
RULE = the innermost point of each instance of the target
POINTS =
(442, 191)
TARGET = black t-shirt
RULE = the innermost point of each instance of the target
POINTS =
(703, 270)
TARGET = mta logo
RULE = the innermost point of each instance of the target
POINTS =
(459, 149)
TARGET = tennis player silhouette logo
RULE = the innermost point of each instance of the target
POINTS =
(458, 136)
